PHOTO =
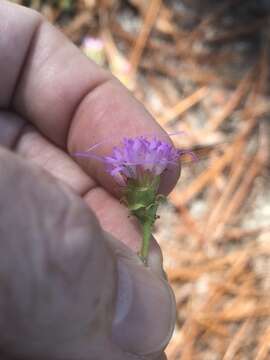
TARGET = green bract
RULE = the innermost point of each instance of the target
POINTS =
(142, 199)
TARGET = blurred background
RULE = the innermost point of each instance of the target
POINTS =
(201, 67)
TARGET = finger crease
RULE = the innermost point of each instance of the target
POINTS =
(18, 136)
(81, 100)
(27, 54)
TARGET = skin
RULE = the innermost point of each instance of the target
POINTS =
(73, 287)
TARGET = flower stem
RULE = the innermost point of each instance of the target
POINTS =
(147, 231)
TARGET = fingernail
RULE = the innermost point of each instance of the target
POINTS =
(145, 309)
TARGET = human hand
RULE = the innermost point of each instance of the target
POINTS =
(69, 290)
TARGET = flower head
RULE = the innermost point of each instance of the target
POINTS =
(138, 157)
(137, 165)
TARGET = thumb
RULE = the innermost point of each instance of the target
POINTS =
(58, 272)
(70, 291)
(145, 306)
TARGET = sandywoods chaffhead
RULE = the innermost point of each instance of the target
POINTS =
(136, 165)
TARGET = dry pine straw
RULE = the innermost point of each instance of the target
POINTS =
(219, 269)
(230, 318)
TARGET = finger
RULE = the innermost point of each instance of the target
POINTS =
(148, 304)
(55, 284)
(67, 291)
(18, 135)
(81, 104)
(113, 216)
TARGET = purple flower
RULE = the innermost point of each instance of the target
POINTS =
(137, 165)
(138, 157)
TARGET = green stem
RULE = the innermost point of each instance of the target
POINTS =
(147, 231)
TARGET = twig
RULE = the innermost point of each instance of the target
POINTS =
(237, 341)
(218, 210)
(183, 105)
(232, 103)
(264, 347)
(183, 197)
(149, 21)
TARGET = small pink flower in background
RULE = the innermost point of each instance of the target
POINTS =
(94, 49)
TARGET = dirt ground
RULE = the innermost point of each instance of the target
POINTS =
(201, 67)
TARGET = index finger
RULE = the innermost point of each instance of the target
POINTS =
(67, 97)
